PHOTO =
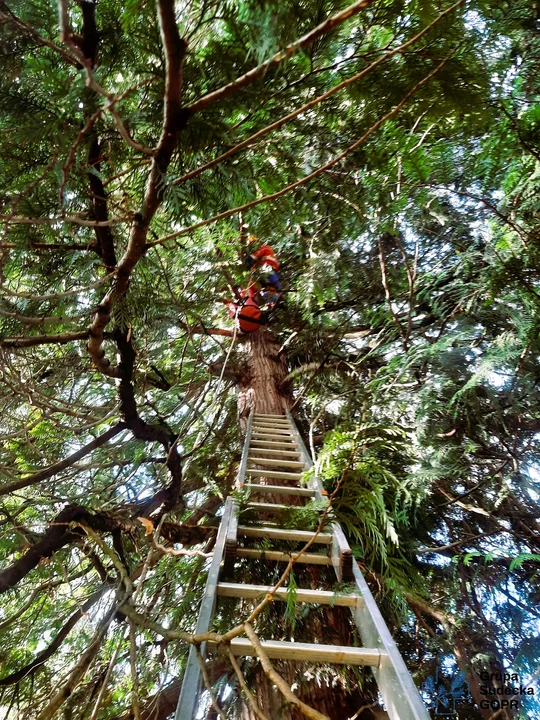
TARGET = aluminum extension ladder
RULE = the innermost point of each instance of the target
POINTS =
(274, 450)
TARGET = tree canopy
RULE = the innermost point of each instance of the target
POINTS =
(389, 152)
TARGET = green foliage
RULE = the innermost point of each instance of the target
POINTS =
(409, 318)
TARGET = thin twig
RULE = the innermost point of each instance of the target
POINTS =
(208, 685)
(251, 700)
(134, 677)
(276, 678)
(106, 679)
(387, 295)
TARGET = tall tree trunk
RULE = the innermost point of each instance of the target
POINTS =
(330, 690)
(263, 372)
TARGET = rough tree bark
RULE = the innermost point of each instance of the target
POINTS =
(260, 378)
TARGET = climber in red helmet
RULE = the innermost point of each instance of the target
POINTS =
(263, 256)
(253, 306)
(269, 284)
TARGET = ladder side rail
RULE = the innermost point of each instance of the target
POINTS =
(306, 457)
(231, 541)
(400, 694)
(191, 683)
(241, 477)
(341, 552)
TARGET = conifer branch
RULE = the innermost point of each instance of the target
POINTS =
(29, 320)
(59, 219)
(287, 52)
(58, 467)
(315, 173)
(7, 14)
(57, 296)
(78, 672)
(55, 644)
(60, 339)
(53, 247)
(312, 103)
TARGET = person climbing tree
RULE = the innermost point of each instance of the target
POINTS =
(263, 256)
(253, 306)
(245, 310)
(265, 260)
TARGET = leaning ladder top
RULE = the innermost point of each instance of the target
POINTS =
(268, 438)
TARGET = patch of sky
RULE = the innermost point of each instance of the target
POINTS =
(363, 243)
(335, 406)
(497, 379)
(474, 21)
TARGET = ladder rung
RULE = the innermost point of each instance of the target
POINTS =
(279, 534)
(308, 652)
(261, 415)
(318, 597)
(280, 432)
(272, 434)
(280, 489)
(264, 426)
(278, 453)
(276, 474)
(270, 507)
(278, 463)
(272, 444)
(270, 426)
(276, 556)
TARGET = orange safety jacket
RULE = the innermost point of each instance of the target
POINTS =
(249, 317)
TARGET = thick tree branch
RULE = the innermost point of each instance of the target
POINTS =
(167, 498)
(104, 236)
(57, 536)
(174, 120)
